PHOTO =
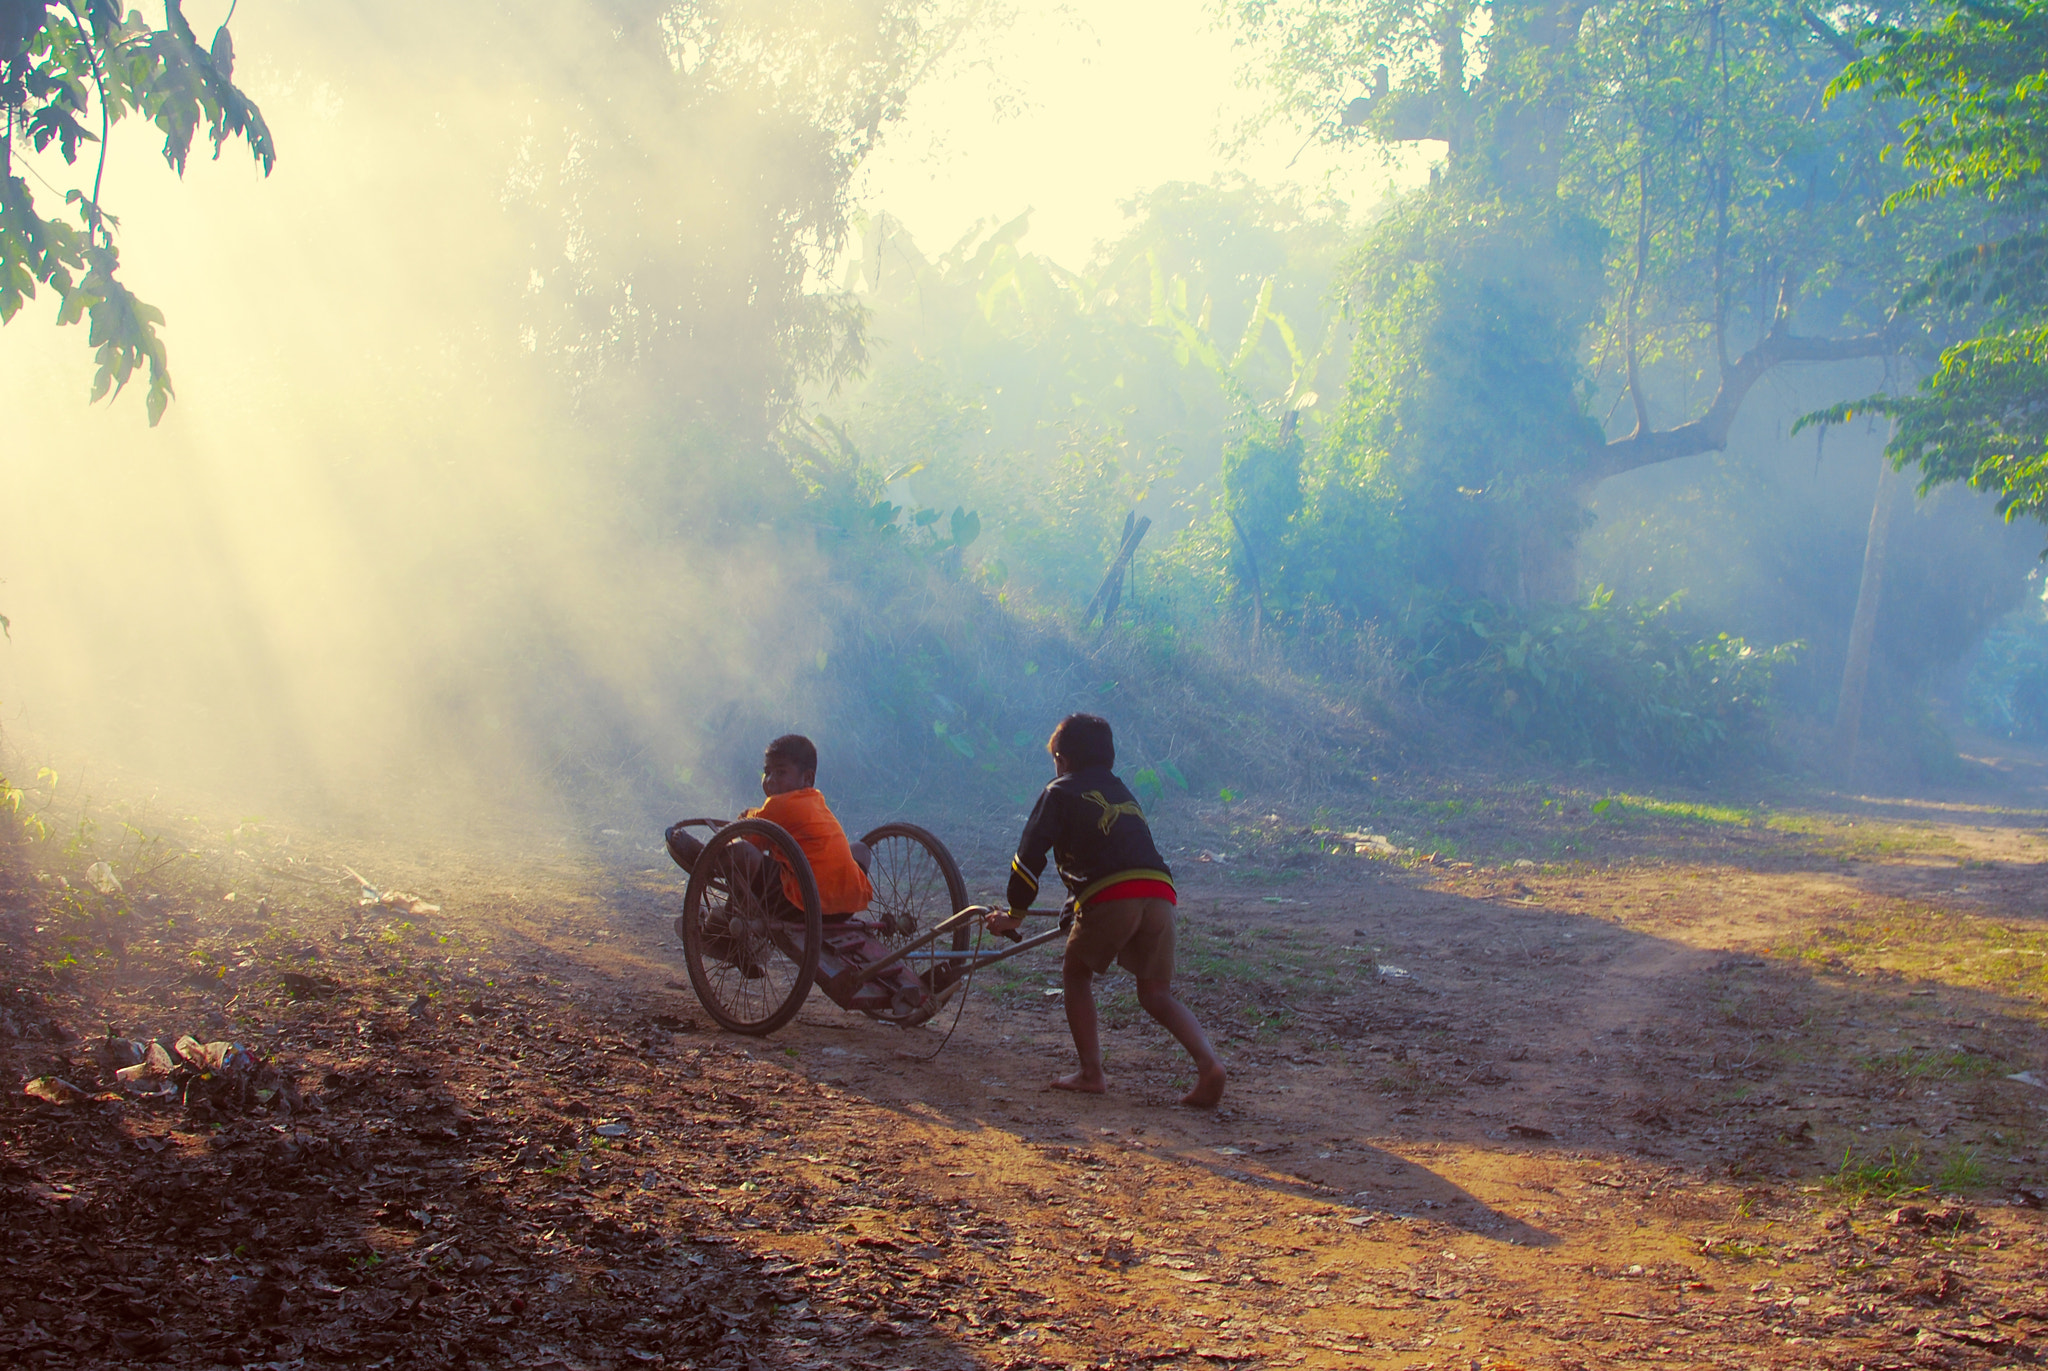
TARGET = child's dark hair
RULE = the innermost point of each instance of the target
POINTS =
(1083, 740)
(798, 751)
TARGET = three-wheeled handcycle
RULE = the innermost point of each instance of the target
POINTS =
(755, 947)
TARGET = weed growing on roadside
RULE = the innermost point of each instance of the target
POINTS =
(1960, 1171)
(1889, 1177)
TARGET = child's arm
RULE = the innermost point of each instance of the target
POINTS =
(1026, 866)
(1032, 845)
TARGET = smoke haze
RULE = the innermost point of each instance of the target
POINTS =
(407, 540)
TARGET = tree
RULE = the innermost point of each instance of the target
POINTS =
(1054, 400)
(64, 68)
(1973, 84)
(1642, 202)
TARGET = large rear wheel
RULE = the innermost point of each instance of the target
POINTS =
(917, 884)
(752, 953)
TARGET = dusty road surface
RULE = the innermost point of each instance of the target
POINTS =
(1569, 1079)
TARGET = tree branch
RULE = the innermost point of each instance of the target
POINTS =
(1635, 289)
(1709, 432)
(1828, 34)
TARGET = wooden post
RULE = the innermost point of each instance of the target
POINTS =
(1111, 593)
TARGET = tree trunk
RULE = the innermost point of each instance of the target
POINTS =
(1856, 669)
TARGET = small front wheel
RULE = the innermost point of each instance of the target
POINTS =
(752, 951)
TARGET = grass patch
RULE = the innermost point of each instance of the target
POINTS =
(1017, 982)
(1619, 806)
(1412, 1080)
(1887, 1177)
(1734, 1249)
(1934, 1064)
(1841, 839)
(1266, 1024)
(1960, 1171)
(1946, 947)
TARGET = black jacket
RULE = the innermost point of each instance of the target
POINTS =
(1097, 835)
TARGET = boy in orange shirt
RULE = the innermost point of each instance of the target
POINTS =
(789, 776)
(789, 772)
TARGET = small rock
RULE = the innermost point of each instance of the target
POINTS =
(303, 987)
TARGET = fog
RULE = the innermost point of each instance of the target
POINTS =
(395, 546)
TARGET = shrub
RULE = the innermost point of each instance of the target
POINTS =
(1598, 682)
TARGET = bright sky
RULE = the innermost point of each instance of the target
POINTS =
(1116, 99)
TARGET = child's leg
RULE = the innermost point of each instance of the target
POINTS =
(745, 862)
(1157, 999)
(743, 871)
(742, 859)
(1079, 982)
(683, 847)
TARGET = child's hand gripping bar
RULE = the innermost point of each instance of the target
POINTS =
(1015, 935)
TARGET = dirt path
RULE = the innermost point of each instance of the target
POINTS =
(1665, 1092)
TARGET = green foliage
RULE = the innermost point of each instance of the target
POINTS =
(2005, 692)
(1633, 197)
(1261, 499)
(1466, 403)
(1052, 401)
(1973, 86)
(1149, 783)
(1973, 81)
(1598, 682)
(1464, 433)
(66, 63)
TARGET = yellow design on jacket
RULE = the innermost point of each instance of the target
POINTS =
(1111, 813)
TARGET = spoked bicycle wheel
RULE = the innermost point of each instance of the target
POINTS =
(917, 884)
(752, 954)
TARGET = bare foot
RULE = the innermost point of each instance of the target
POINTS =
(1082, 1082)
(1208, 1091)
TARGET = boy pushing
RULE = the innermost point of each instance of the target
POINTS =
(1123, 897)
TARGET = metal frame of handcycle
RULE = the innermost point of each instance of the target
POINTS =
(798, 937)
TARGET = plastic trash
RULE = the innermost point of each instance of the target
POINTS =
(112, 1053)
(217, 1058)
(55, 1090)
(100, 876)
